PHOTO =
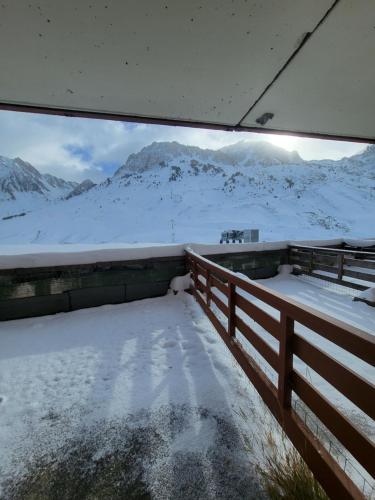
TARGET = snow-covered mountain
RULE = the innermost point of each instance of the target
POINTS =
(243, 153)
(81, 188)
(18, 176)
(171, 192)
(24, 185)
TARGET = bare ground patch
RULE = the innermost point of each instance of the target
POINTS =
(178, 452)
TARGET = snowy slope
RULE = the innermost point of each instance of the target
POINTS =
(171, 193)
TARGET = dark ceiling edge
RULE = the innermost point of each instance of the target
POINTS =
(97, 115)
(305, 38)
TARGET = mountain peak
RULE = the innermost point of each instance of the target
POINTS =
(366, 156)
(18, 176)
(241, 153)
(157, 154)
(260, 152)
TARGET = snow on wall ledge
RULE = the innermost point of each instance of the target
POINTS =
(27, 256)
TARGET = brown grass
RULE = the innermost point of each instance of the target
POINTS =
(284, 474)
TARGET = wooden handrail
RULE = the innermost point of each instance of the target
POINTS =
(350, 338)
(278, 399)
(335, 250)
(340, 264)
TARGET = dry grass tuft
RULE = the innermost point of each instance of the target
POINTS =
(284, 474)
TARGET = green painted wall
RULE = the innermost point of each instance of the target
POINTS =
(48, 290)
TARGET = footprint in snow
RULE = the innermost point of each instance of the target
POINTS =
(211, 340)
(169, 343)
(219, 366)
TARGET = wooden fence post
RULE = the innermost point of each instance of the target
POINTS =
(191, 271)
(286, 360)
(232, 310)
(208, 285)
(311, 261)
(196, 275)
(340, 266)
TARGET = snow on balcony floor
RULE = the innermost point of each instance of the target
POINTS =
(150, 382)
(327, 297)
(149, 379)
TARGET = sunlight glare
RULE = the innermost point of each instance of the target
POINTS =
(284, 141)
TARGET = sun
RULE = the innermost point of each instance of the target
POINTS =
(284, 141)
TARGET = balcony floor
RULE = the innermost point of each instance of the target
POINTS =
(147, 387)
(148, 381)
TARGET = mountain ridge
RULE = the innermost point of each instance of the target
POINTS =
(247, 153)
(168, 192)
(19, 176)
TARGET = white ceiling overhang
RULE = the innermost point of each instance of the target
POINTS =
(296, 66)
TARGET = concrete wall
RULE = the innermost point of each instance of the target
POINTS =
(255, 265)
(27, 292)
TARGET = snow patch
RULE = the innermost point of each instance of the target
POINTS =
(360, 243)
(180, 283)
(285, 269)
(368, 295)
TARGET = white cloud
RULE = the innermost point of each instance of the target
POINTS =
(50, 143)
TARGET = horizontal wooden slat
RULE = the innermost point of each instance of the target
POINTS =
(359, 275)
(299, 252)
(353, 440)
(201, 279)
(324, 258)
(219, 327)
(201, 286)
(328, 259)
(358, 390)
(268, 353)
(367, 264)
(219, 285)
(256, 376)
(347, 284)
(257, 314)
(299, 261)
(360, 253)
(324, 267)
(220, 304)
(202, 270)
(316, 266)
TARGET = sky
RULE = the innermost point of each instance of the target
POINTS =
(82, 148)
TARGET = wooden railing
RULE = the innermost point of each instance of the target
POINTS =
(217, 291)
(344, 267)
